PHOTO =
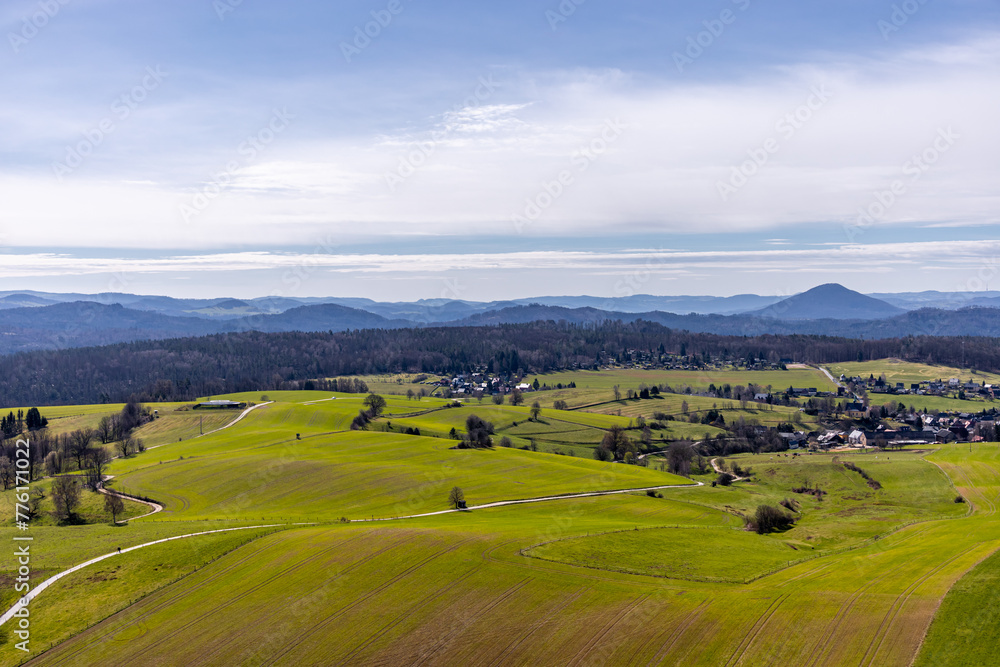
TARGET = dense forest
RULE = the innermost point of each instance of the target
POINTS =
(185, 368)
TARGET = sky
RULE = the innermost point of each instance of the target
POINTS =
(408, 149)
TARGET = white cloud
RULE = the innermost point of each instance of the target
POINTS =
(486, 163)
(968, 255)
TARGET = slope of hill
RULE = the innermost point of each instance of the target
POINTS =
(321, 317)
(830, 301)
(84, 323)
(24, 301)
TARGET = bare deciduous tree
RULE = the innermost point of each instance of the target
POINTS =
(114, 506)
(456, 496)
(53, 464)
(6, 472)
(97, 460)
(105, 431)
(65, 497)
(79, 444)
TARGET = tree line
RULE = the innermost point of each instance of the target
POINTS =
(185, 368)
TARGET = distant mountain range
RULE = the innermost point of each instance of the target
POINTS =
(38, 320)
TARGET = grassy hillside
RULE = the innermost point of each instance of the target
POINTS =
(698, 380)
(622, 579)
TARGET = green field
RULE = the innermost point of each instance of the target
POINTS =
(616, 579)
(908, 372)
(699, 554)
(604, 381)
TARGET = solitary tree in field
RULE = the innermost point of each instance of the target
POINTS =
(536, 409)
(455, 496)
(618, 393)
(114, 506)
(375, 403)
(497, 399)
(409, 394)
(515, 397)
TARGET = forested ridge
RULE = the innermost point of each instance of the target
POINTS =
(185, 368)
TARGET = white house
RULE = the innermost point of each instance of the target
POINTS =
(858, 438)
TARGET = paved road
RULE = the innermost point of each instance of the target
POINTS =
(504, 503)
(33, 593)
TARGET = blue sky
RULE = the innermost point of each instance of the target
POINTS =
(498, 150)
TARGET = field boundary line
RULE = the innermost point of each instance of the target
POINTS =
(34, 592)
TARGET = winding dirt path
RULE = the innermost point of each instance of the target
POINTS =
(716, 468)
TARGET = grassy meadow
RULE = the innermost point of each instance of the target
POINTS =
(896, 370)
(616, 579)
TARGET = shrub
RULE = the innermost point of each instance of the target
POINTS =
(768, 518)
(790, 505)
(506, 442)
(602, 453)
(724, 479)
(959, 499)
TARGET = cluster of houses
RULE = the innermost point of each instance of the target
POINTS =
(488, 384)
(879, 385)
(920, 429)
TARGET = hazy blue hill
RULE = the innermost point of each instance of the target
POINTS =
(830, 301)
